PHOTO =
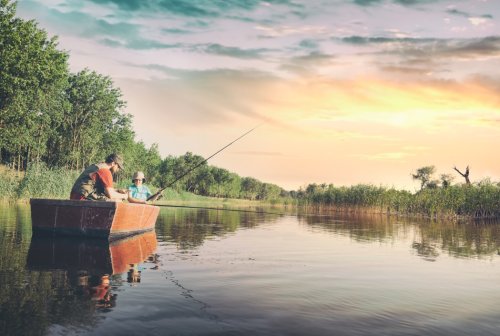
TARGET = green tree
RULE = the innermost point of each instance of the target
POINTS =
(424, 175)
(32, 75)
(92, 125)
(250, 188)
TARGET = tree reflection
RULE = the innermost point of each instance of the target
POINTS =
(430, 238)
(47, 281)
(188, 228)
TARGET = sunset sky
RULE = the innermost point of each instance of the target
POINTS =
(347, 92)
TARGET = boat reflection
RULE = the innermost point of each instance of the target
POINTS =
(92, 266)
(92, 255)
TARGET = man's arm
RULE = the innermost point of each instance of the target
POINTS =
(114, 194)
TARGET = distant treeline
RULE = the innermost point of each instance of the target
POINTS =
(481, 200)
(58, 120)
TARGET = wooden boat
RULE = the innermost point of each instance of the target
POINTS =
(112, 220)
(94, 256)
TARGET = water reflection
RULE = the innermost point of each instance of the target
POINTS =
(96, 256)
(349, 272)
(429, 238)
(67, 280)
(188, 228)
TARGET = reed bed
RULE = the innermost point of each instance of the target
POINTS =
(39, 181)
(475, 201)
(481, 200)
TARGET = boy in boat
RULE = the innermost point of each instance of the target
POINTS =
(96, 182)
(138, 192)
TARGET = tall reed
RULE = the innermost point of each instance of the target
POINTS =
(478, 201)
(40, 181)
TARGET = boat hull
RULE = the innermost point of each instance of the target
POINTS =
(111, 220)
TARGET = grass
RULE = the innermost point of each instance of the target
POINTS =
(480, 200)
(39, 181)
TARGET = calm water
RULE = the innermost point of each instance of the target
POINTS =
(208, 272)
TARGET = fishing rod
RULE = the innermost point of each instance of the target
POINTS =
(157, 195)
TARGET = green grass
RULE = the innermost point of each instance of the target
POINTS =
(42, 182)
(475, 201)
(39, 181)
(9, 183)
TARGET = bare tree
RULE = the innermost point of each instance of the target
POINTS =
(464, 175)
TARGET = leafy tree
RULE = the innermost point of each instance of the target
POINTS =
(250, 188)
(32, 74)
(166, 171)
(221, 178)
(269, 191)
(92, 125)
(424, 175)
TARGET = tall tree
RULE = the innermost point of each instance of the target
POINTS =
(92, 124)
(32, 75)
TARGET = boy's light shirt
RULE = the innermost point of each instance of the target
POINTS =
(141, 193)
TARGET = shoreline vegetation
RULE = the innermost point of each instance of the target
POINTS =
(475, 201)
(54, 123)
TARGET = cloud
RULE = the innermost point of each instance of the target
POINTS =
(123, 4)
(142, 24)
(309, 44)
(457, 12)
(473, 19)
(202, 9)
(477, 21)
(307, 64)
(217, 49)
(176, 31)
(407, 70)
(362, 40)
(178, 7)
(232, 94)
(321, 103)
(425, 55)
(286, 30)
(467, 48)
(366, 3)
(103, 30)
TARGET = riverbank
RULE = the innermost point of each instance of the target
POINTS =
(19, 187)
(476, 201)
(480, 200)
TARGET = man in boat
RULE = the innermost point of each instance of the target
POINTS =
(138, 192)
(96, 181)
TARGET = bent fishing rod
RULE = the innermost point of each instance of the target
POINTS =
(157, 195)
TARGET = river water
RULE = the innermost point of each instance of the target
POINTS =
(217, 272)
